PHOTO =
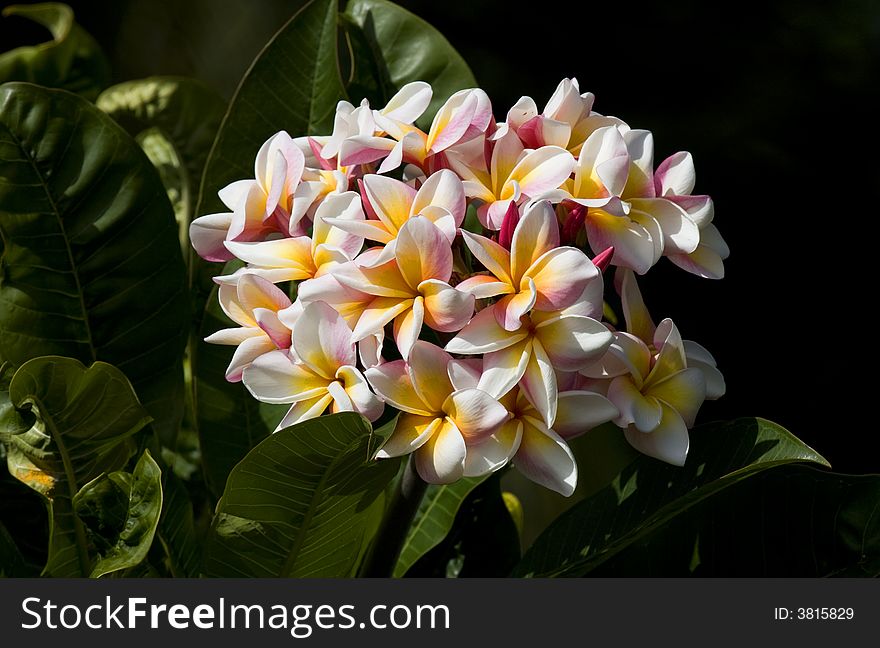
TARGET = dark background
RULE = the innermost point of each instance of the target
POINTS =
(774, 100)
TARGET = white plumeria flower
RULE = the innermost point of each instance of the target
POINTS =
(260, 206)
(567, 120)
(437, 422)
(647, 377)
(674, 181)
(321, 371)
(536, 272)
(465, 115)
(304, 257)
(411, 288)
(546, 341)
(510, 174)
(254, 304)
(390, 203)
(536, 450)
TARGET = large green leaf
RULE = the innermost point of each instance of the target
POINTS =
(177, 531)
(648, 494)
(132, 524)
(90, 265)
(792, 521)
(176, 113)
(405, 48)
(72, 60)
(433, 520)
(304, 502)
(293, 85)
(84, 421)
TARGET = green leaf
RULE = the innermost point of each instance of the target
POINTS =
(85, 419)
(293, 85)
(405, 48)
(176, 113)
(90, 265)
(433, 520)
(648, 494)
(482, 542)
(72, 60)
(302, 503)
(134, 523)
(177, 531)
(792, 521)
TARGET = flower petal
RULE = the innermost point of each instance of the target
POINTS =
(305, 410)
(634, 245)
(465, 373)
(442, 189)
(560, 277)
(441, 459)
(545, 458)
(447, 309)
(274, 378)
(207, 234)
(422, 252)
(322, 340)
(483, 286)
(483, 335)
(572, 341)
(538, 383)
(409, 102)
(580, 411)
(392, 382)
(536, 233)
(668, 442)
(635, 408)
(684, 392)
(408, 325)
(358, 391)
(543, 170)
(680, 234)
(410, 433)
(390, 199)
(247, 352)
(344, 207)
(504, 368)
(493, 257)
(476, 414)
(292, 253)
(494, 452)
(377, 314)
(675, 175)
(635, 313)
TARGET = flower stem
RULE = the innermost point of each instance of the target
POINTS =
(398, 517)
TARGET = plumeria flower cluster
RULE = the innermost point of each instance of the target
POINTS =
(453, 281)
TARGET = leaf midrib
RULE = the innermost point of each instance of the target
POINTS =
(73, 266)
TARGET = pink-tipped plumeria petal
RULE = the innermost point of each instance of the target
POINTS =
(494, 257)
(442, 189)
(578, 412)
(410, 433)
(357, 389)
(273, 327)
(427, 367)
(542, 170)
(640, 181)
(422, 252)
(603, 165)
(484, 286)
(293, 254)
(391, 381)
(503, 369)
(680, 234)
(675, 175)
(322, 340)
(274, 378)
(510, 309)
(447, 309)
(536, 233)
(344, 207)
(408, 104)
(668, 442)
(465, 373)
(572, 341)
(377, 314)
(476, 414)
(545, 458)
(493, 452)
(634, 246)
(441, 459)
(391, 200)
(483, 334)
(408, 325)
(538, 383)
(207, 234)
(635, 313)
(363, 149)
(247, 352)
(560, 277)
